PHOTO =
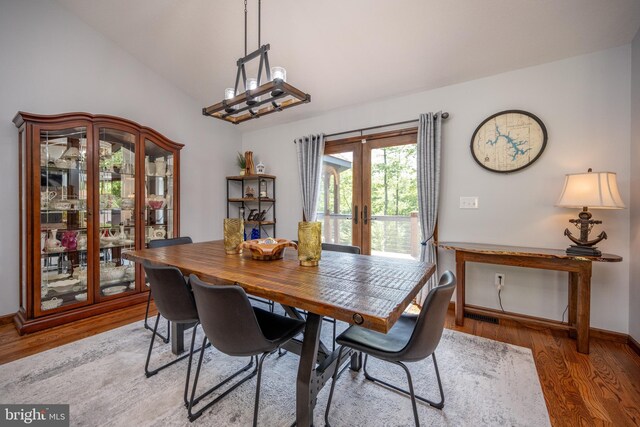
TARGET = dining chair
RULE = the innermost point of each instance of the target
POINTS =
(236, 328)
(411, 339)
(174, 301)
(160, 243)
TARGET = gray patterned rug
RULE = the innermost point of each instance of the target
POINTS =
(485, 383)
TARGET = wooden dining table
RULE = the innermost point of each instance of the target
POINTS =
(368, 291)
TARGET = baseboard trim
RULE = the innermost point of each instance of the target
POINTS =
(635, 345)
(6, 319)
(538, 322)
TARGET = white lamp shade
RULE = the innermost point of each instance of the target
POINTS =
(597, 190)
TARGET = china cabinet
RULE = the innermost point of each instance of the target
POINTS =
(254, 196)
(90, 188)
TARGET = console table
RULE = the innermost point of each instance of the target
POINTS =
(578, 267)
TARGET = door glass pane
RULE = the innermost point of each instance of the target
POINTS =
(159, 192)
(395, 230)
(63, 218)
(117, 209)
(336, 198)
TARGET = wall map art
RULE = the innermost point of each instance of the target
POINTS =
(509, 141)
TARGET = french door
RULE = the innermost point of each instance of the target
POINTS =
(368, 195)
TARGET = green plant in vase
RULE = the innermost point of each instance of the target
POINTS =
(241, 161)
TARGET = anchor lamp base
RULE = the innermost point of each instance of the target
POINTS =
(583, 250)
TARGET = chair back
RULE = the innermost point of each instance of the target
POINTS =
(430, 323)
(227, 318)
(341, 248)
(160, 243)
(171, 293)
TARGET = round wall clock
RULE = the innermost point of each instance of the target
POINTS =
(508, 141)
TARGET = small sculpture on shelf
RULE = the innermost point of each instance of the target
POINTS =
(260, 168)
(263, 188)
(250, 192)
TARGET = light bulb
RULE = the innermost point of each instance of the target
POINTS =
(230, 93)
(278, 73)
(251, 85)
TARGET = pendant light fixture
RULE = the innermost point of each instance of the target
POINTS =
(260, 97)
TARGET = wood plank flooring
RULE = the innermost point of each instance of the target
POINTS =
(602, 388)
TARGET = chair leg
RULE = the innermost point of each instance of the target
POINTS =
(257, 405)
(146, 324)
(437, 405)
(186, 384)
(195, 400)
(333, 385)
(150, 373)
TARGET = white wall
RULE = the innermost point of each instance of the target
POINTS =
(51, 62)
(585, 104)
(634, 276)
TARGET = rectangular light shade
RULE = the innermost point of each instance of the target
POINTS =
(597, 190)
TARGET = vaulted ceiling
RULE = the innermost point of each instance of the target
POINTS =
(345, 52)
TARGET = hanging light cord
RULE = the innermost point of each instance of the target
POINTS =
(245, 27)
(259, 21)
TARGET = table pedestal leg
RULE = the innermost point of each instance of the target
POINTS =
(177, 336)
(305, 392)
(460, 270)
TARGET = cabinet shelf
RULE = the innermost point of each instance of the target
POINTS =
(250, 177)
(259, 222)
(252, 200)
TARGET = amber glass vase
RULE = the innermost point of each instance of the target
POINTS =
(309, 243)
(233, 235)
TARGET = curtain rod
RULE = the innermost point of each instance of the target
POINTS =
(445, 115)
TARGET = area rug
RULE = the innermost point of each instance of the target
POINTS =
(102, 378)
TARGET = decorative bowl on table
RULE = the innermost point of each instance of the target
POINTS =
(267, 249)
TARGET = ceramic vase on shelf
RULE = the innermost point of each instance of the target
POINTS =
(160, 166)
(250, 168)
(309, 243)
(70, 240)
(233, 235)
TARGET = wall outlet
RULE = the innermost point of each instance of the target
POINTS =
(499, 281)
(469, 202)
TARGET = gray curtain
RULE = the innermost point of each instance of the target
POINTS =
(310, 151)
(429, 142)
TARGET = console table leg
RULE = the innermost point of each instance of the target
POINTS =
(583, 308)
(460, 270)
(573, 302)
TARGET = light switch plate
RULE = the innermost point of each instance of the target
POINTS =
(469, 202)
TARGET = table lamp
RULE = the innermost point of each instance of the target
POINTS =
(595, 190)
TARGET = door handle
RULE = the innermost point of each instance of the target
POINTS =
(365, 215)
(355, 217)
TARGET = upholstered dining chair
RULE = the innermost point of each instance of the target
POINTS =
(412, 338)
(236, 328)
(159, 243)
(175, 302)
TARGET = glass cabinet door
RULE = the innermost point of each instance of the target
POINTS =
(63, 220)
(159, 192)
(117, 211)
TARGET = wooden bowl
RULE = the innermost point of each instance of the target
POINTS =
(267, 249)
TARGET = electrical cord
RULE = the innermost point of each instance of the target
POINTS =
(563, 313)
(500, 299)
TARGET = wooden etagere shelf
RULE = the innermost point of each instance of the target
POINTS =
(263, 205)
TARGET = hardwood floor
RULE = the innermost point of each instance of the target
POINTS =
(602, 388)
